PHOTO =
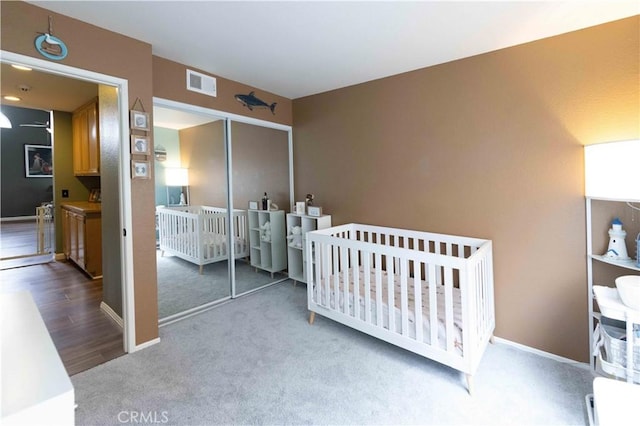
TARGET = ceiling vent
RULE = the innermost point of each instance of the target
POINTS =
(198, 82)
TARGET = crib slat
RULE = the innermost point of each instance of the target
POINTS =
(366, 260)
(355, 268)
(448, 300)
(336, 276)
(404, 301)
(320, 269)
(433, 304)
(391, 293)
(344, 265)
(417, 292)
(379, 317)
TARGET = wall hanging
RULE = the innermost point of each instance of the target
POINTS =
(251, 102)
(140, 145)
(49, 46)
(38, 161)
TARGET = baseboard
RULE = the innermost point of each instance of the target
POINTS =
(60, 257)
(18, 219)
(107, 310)
(549, 355)
(145, 345)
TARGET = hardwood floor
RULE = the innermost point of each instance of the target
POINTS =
(69, 303)
(18, 238)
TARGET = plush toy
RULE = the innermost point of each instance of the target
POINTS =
(265, 232)
(295, 237)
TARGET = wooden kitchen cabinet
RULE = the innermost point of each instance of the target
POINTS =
(82, 236)
(86, 140)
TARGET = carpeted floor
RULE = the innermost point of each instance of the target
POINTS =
(181, 287)
(257, 361)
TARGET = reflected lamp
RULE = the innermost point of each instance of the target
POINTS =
(176, 176)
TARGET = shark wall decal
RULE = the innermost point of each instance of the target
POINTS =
(251, 102)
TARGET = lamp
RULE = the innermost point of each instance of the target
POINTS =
(612, 170)
(5, 123)
(175, 176)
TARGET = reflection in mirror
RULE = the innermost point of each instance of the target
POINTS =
(260, 164)
(191, 212)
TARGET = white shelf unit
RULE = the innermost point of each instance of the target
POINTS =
(610, 305)
(270, 255)
(296, 255)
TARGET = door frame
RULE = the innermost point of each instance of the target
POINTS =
(126, 244)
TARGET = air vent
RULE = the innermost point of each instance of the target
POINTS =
(198, 82)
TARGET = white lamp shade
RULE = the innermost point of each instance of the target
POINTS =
(176, 176)
(612, 170)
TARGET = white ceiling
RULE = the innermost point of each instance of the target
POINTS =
(295, 49)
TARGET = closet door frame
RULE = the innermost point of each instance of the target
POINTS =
(228, 119)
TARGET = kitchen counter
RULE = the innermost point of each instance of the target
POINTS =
(82, 207)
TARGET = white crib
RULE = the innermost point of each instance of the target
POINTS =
(395, 284)
(198, 234)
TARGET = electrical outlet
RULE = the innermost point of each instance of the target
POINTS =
(65, 193)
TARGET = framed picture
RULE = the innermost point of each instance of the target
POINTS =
(140, 169)
(253, 205)
(94, 196)
(300, 205)
(139, 120)
(315, 211)
(38, 161)
(140, 145)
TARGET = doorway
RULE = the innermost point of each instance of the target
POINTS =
(26, 195)
(117, 192)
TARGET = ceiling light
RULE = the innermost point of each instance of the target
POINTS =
(12, 98)
(5, 123)
(21, 67)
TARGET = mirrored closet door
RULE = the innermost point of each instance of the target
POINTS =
(191, 211)
(260, 177)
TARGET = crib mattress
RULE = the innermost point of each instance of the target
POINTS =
(426, 326)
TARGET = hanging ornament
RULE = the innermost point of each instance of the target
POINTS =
(49, 46)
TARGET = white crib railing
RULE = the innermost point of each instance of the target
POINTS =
(199, 234)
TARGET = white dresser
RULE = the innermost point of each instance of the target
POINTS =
(36, 388)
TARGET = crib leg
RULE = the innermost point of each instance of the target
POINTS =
(312, 316)
(295, 282)
(161, 253)
(492, 339)
(469, 383)
(200, 269)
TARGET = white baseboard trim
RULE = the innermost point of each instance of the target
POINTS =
(107, 310)
(145, 345)
(549, 355)
(18, 219)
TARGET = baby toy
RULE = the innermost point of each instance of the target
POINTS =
(265, 232)
(295, 237)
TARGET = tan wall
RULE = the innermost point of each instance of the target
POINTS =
(95, 49)
(489, 146)
(169, 82)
